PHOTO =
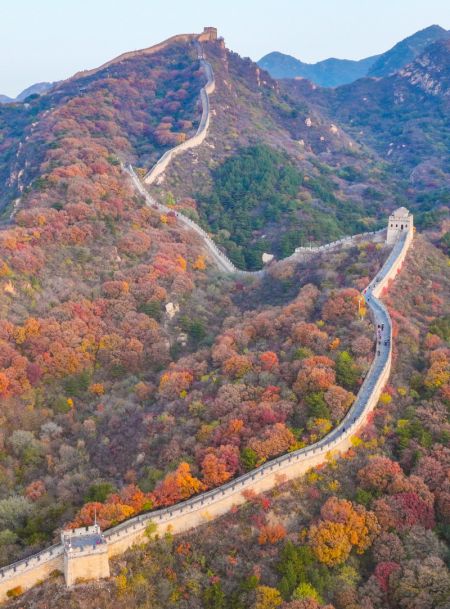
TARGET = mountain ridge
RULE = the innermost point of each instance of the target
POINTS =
(37, 88)
(334, 72)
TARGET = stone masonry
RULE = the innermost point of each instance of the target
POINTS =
(85, 554)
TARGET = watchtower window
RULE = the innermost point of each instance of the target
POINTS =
(401, 227)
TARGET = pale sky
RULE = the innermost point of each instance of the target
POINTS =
(48, 40)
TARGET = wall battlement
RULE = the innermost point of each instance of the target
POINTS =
(85, 554)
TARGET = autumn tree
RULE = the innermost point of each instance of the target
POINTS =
(271, 534)
(177, 486)
(342, 526)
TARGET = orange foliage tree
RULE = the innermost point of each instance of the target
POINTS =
(269, 360)
(177, 486)
(343, 526)
(271, 534)
(175, 381)
(277, 439)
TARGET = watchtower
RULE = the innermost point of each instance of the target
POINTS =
(85, 554)
(400, 221)
(208, 34)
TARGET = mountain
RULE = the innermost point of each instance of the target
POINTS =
(134, 374)
(328, 73)
(403, 118)
(336, 72)
(254, 130)
(38, 88)
(405, 51)
(236, 188)
(96, 378)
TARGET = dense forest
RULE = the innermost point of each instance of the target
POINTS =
(258, 186)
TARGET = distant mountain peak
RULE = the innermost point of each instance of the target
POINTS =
(334, 72)
(330, 72)
(407, 50)
(38, 88)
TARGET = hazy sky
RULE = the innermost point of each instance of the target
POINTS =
(47, 40)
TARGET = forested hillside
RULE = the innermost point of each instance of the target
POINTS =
(339, 188)
(367, 531)
(91, 357)
(404, 118)
(134, 375)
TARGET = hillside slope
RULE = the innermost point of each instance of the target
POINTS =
(124, 354)
(132, 373)
(404, 118)
(364, 532)
(334, 185)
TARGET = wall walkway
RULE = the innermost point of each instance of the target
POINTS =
(216, 502)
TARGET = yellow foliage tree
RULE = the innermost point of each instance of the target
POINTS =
(182, 263)
(4, 269)
(200, 264)
(97, 389)
(330, 542)
(343, 526)
(267, 598)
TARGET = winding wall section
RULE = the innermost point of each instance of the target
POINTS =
(202, 129)
(218, 501)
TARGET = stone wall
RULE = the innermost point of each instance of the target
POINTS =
(216, 502)
(202, 129)
(27, 573)
(85, 565)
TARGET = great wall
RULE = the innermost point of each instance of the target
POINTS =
(84, 553)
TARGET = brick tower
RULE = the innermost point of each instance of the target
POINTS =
(85, 554)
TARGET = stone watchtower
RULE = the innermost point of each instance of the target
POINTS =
(85, 554)
(208, 34)
(400, 221)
